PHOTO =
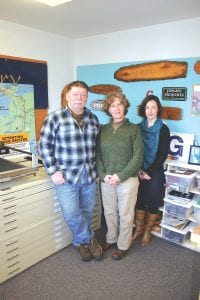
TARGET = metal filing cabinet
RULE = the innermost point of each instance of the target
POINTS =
(32, 226)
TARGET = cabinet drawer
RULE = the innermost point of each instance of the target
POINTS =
(32, 254)
(181, 212)
(180, 182)
(173, 235)
(17, 206)
(11, 243)
(30, 235)
(11, 194)
(19, 249)
(28, 215)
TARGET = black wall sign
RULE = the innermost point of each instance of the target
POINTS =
(174, 93)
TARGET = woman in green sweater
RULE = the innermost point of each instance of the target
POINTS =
(119, 157)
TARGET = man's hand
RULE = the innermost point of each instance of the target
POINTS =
(57, 178)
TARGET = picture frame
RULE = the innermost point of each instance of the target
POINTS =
(18, 71)
(194, 155)
(196, 100)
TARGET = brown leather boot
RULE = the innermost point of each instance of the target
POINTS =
(140, 218)
(146, 238)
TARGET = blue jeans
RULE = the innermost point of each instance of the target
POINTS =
(77, 202)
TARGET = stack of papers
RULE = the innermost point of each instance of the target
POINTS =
(180, 197)
(173, 221)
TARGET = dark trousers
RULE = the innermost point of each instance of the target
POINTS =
(151, 193)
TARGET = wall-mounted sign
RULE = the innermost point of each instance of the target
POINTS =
(105, 89)
(180, 146)
(16, 70)
(174, 93)
(196, 100)
(97, 105)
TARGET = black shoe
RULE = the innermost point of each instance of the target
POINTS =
(84, 252)
(95, 249)
(105, 246)
(118, 254)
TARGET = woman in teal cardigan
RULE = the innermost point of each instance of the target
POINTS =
(119, 157)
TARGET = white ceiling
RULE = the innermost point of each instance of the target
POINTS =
(82, 18)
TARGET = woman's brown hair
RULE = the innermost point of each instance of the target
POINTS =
(142, 106)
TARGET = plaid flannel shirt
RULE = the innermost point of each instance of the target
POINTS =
(65, 146)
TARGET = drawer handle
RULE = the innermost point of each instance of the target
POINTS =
(11, 206)
(4, 200)
(10, 214)
(12, 243)
(15, 227)
(10, 222)
(9, 259)
(17, 262)
(14, 271)
(10, 251)
(5, 189)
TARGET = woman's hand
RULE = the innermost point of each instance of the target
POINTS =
(107, 179)
(112, 179)
(143, 175)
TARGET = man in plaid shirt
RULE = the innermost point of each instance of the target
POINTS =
(67, 148)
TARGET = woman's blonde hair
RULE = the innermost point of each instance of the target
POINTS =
(110, 98)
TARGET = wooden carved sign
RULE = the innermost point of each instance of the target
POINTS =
(159, 70)
(105, 89)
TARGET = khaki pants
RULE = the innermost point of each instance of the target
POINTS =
(119, 204)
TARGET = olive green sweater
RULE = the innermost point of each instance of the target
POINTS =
(119, 152)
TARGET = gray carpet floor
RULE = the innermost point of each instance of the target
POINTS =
(161, 271)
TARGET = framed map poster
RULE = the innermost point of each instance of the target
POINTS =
(23, 97)
(18, 70)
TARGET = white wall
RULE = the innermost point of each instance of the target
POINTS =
(20, 41)
(170, 40)
(165, 41)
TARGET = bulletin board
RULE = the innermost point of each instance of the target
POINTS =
(176, 82)
(23, 98)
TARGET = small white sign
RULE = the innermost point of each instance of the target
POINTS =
(180, 146)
